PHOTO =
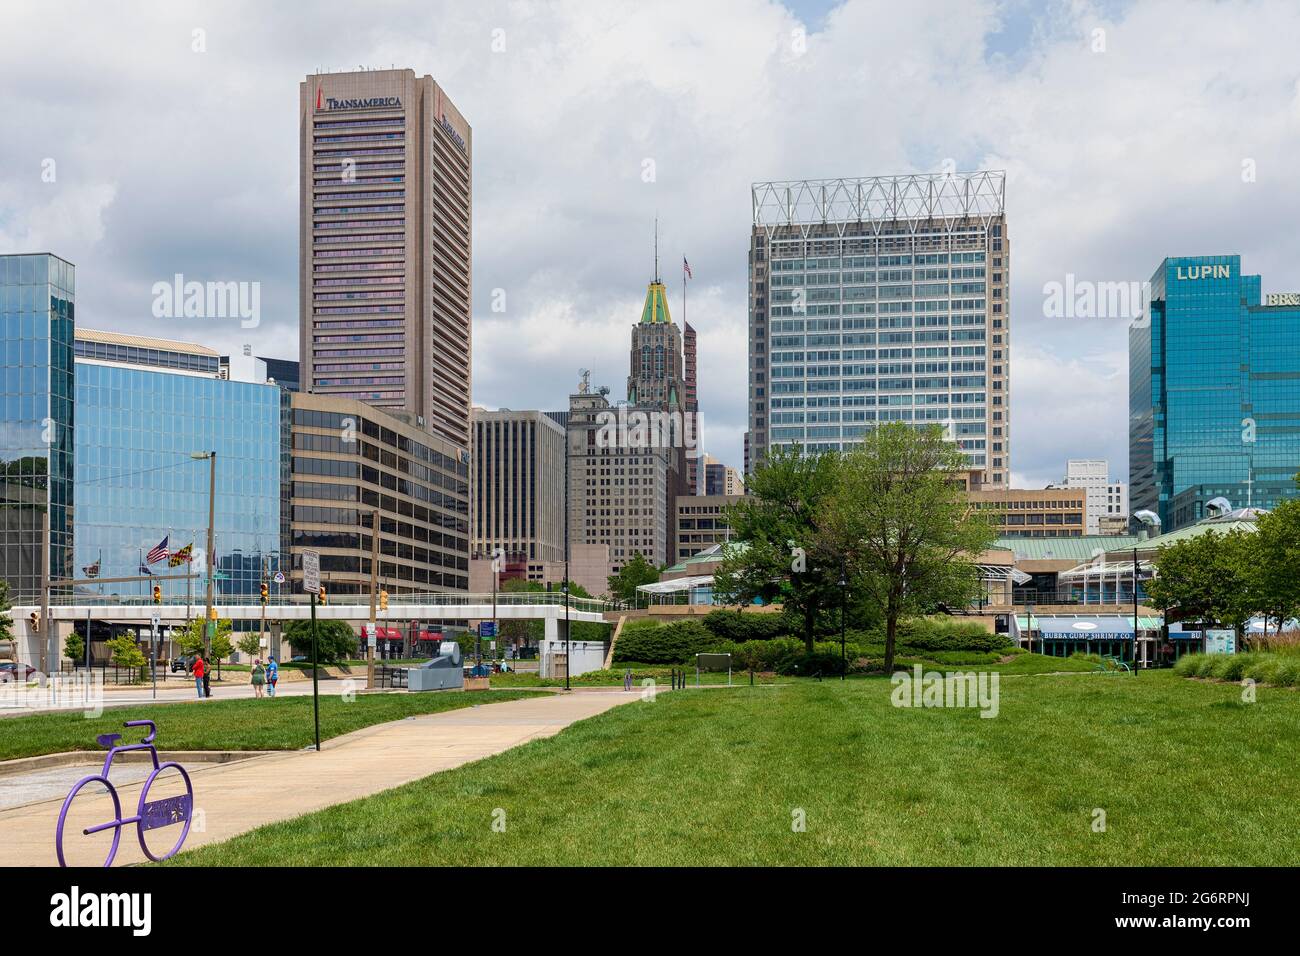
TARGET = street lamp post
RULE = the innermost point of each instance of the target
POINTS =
(844, 606)
(568, 520)
(208, 557)
(1029, 625)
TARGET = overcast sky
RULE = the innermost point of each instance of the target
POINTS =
(1129, 132)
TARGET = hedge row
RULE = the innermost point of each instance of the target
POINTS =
(1281, 670)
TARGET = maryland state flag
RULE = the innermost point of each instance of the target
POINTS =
(91, 571)
(181, 556)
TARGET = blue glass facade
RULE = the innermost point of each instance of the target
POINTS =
(1214, 393)
(137, 483)
(37, 316)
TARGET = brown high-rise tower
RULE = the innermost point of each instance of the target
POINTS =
(385, 254)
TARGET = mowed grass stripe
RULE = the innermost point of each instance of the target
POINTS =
(1185, 774)
(280, 723)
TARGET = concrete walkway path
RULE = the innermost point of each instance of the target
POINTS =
(240, 796)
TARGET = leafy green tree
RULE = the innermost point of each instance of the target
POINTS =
(902, 525)
(1207, 578)
(126, 653)
(191, 638)
(779, 523)
(335, 640)
(250, 643)
(1274, 569)
(623, 585)
(74, 647)
(6, 622)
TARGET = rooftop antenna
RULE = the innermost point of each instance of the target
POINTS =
(656, 248)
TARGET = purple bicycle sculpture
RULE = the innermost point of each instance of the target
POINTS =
(166, 812)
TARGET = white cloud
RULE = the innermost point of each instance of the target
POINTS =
(175, 161)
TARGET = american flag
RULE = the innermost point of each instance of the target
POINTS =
(159, 553)
(686, 269)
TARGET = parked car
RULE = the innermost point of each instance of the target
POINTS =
(9, 670)
(183, 663)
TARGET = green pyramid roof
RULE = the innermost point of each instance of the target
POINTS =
(655, 309)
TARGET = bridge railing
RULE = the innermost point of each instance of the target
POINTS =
(395, 601)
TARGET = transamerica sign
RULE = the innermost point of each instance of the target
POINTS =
(324, 102)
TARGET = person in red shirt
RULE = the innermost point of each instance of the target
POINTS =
(199, 669)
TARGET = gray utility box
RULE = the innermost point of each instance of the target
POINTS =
(443, 672)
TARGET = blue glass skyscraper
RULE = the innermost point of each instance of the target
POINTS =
(1214, 392)
(143, 407)
(37, 293)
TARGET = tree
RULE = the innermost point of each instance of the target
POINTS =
(780, 522)
(335, 640)
(623, 585)
(1207, 578)
(250, 643)
(1274, 566)
(902, 525)
(126, 652)
(521, 632)
(191, 639)
(6, 622)
(74, 647)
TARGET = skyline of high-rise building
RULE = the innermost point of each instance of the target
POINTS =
(880, 299)
(1214, 392)
(517, 485)
(385, 251)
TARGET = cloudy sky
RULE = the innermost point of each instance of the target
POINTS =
(1129, 132)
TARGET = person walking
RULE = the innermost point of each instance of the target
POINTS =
(627, 679)
(272, 675)
(207, 677)
(199, 672)
(259, 677)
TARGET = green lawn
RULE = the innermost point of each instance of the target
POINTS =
(1186, 774)
(281, 723)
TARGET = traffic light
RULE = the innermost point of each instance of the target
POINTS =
(324, 598)
(157, 594)
(383, 599)
(212, 613)
(266, 593)
(34, 619)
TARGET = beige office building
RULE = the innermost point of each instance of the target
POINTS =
(1034, 512)
(349, 460)
(385, 246)
(701, 523)
(518, 485)
(619, 491)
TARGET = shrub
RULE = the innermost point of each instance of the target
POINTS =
(739, 627)
(938, 634)
(654, 643)
(335, 640)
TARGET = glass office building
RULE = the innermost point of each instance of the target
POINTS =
(1214, 392)
(137, 484)
(876, 300)
(37, 294)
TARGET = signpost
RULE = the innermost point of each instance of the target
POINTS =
(1221, 641)
(311, 584)
(155, 620)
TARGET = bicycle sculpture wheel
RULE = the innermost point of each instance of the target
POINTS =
(85, 802)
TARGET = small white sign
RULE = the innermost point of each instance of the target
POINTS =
(311, 572)
(154, 620)
(278, 577)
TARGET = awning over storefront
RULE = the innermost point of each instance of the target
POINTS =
(677, 584)
(1084, 628)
